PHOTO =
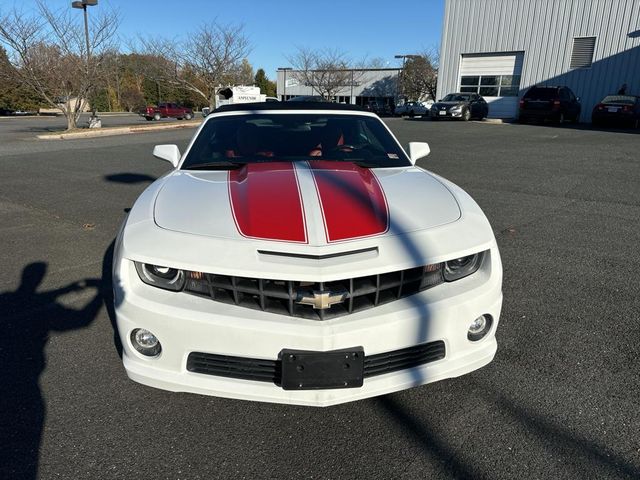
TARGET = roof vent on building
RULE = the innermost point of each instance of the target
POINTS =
(582, 53)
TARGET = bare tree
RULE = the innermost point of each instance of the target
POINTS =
(377, 62)
(47, 52)
(245, 74)
(212, 57)
(419, 78)
(328, 72)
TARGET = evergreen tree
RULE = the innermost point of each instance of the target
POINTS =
(267, 87)
(14, 95)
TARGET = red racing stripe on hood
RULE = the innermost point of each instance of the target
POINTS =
(352, 200)
(266, 202)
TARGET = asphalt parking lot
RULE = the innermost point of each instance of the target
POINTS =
(561, 399)
(16, 130)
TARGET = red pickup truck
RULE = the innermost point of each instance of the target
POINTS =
(165, 110)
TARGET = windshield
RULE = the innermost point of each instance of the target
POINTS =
(541, 94)
(258, 138)
(620, 99)
(456, 97)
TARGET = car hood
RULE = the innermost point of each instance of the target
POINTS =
(314, 203)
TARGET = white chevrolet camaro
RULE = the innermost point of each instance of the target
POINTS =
(296, 254)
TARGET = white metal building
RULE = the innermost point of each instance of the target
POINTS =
(500, 48)
(379, 84)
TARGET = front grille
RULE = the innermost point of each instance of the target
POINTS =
(282, 296)
(269, 370)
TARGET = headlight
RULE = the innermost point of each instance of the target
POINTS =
(457, 108)
(462, 267)
(162, 277)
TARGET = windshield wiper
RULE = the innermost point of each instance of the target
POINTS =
(364, 164)
(357, 161)
(220, 165)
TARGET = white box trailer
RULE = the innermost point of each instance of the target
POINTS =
(240, 94)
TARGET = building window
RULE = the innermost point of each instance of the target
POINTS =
(582, 53)
(475, 81)
(491, 85)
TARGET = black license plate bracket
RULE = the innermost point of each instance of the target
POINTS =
(311, 370)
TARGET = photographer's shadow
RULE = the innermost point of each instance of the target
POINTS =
(26, 319)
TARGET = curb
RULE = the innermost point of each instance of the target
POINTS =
(497, 121)
(107, 132)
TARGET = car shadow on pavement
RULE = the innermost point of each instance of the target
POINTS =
(584, 126)
(129, 178)
(107, 294)
(29, 315)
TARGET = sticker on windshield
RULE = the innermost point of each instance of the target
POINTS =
(393, 155)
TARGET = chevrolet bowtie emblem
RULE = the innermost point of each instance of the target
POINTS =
(321, 299)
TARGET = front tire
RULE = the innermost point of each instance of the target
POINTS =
(148, 119)
(157, 117)
(188, 116)
(466, 115)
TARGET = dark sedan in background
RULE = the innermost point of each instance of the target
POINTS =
(617, 110)
(380, 107)
(308, 98)
(558, 104)
(463, 106)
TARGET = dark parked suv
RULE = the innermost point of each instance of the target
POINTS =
(558, 104)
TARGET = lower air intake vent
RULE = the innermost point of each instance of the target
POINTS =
(269, 370)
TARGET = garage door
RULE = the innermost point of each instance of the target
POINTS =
(496, 77)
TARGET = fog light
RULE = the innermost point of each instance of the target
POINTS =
(479, 328)
(145, 342)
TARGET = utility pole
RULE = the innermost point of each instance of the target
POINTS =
(83, 4)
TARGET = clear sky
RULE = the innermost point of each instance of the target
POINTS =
(364, 28)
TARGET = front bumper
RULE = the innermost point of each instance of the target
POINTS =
(186, 324)
(448, 114)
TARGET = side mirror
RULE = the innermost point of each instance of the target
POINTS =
(418, 150)
(171, 153)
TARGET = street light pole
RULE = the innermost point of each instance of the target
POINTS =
(86, 33)
(351, 96)
(83, 4)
